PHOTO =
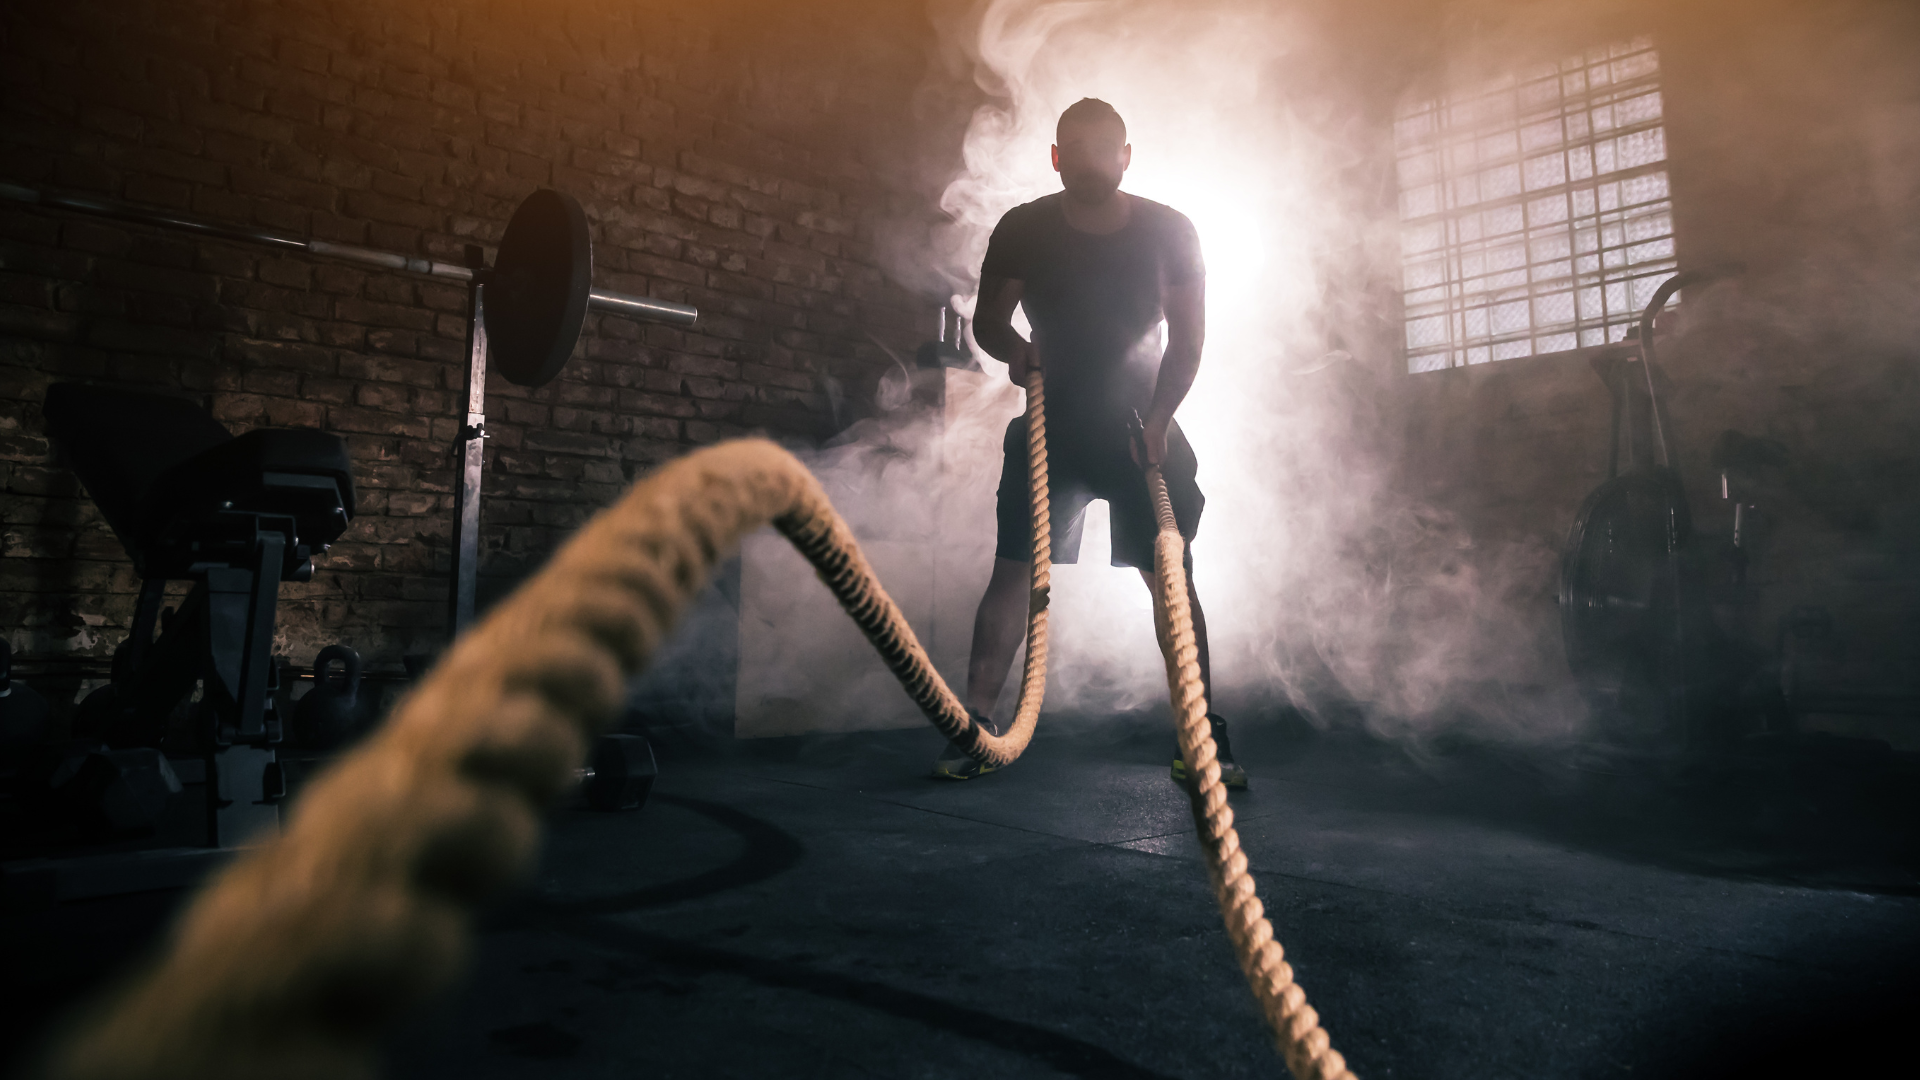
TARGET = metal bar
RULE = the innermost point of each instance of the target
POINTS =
(388, 259)
(228, 591)
(1566, 187)
(1537, 287)
(267, 237)
(1457, 307)
(465, 579)
(636, 307)
(269, 556)
(1610, 94)
(1584, 142)
(1537, 290)
(642, 307)
(146, 615)
(164, 219)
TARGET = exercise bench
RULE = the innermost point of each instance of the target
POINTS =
(236, 515)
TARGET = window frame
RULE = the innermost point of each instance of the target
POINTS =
(1466, 280)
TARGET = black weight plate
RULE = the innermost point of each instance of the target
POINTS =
(1618, 605)
(536, 295)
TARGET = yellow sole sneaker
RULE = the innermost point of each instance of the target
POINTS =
(1232, 775)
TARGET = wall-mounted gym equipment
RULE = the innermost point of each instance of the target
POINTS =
(525, 314)
(238, 515)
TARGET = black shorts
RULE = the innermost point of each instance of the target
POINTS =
(1082, 467)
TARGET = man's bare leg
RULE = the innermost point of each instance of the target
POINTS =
(1000, 625)
(1199, 631)
(1231, 774)
(998, 628)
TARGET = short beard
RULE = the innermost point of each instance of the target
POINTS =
(1088, 190)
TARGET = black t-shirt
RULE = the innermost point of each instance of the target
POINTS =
(1094, 302)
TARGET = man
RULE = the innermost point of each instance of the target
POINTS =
(1097, 270)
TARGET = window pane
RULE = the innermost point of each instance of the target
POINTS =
(1549, 211)
(1419, 202)
(1549, 170)
(1538, 214)
(1553, 310)
(1639, 110)
(1427, 332)
(1417, 169)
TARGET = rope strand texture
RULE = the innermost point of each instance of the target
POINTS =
(820, 535)
(297, 958)
(1302, 1043)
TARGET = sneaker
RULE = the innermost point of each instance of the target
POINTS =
(953, 762)
(1231, 774)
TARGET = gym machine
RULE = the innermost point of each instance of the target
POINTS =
(524, 314)
(1634, 610)
(236, 516)
(1635, 605)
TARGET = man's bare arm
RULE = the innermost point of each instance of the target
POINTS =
(993, 326)
(1186, 311)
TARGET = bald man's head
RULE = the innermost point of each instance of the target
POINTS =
(1090, 150)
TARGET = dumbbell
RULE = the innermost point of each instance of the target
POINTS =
(329, 715)
(619, 773)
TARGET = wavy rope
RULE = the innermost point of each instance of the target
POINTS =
(1302, 1042)
(301, 955)
(819, 533)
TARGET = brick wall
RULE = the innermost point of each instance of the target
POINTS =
(742, 157)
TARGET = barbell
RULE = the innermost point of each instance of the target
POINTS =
(540, 284)
(524, 318)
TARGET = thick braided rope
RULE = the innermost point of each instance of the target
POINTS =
(296, 959)
(818, 532)
(1302, 1042)
(298, 956)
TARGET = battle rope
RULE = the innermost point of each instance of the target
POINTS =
(301, 954)
(1302, 1042)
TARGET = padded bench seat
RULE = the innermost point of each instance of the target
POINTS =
(168, 477)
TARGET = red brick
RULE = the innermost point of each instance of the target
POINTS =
(387, 396)
(335, 126)
(282, 412)
(374, 422)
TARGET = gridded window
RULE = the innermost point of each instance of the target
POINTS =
(1534, 210)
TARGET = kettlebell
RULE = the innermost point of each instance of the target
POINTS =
(329, 715)
(23, 712)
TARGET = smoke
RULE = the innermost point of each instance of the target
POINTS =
(1324, 585)
(1377, 548)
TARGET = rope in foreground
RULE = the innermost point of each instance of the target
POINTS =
(1302, 1042)
(303, 953)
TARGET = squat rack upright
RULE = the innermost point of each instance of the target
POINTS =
(541, 289)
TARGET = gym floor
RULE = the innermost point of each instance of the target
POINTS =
(817, 907)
